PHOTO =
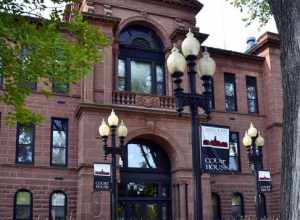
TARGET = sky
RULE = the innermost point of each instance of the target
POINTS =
(225, 27)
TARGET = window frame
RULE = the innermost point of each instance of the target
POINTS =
(230, 78)
(65, 205)
(154, 56)
(15, 204)
(67, 142)
(251, 81)
(19, 125)
(238, 151)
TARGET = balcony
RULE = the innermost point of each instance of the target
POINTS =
(143, 100)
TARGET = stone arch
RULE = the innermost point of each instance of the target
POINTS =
(168, 144)
(150, 23)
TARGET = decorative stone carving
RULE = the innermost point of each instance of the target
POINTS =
(107, 10)
(148, 101)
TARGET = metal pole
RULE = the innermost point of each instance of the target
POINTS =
(114, 198)
(197, 173)
(255, 158)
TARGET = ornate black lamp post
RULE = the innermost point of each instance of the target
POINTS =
(176, 66)
(254, 142)
(104, 130)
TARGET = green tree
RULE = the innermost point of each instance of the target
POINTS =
(34, 49)
(287, 17)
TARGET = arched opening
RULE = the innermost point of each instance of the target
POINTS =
(23, 205)
(141, 61)
(144, 190)
(237, 203)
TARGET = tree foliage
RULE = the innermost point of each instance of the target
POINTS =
(255, 10)
(34, 49)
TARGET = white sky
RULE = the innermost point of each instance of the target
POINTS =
(225, 27)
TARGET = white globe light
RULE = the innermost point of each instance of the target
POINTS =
(260, 141)
(247, 141)
(103, 129)
(113, 119)
(122, 130)
(176, 61)
(190, 45)
(252, 131)
(207, 66)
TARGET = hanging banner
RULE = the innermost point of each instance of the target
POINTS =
(264, 181)
(214, 148)
(102, 177)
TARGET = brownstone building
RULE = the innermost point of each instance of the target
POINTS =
(49, 168)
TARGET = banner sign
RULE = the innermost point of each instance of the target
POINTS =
(214, 148)
(264, 181)
(102, 177)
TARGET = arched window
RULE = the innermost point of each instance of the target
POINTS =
(58, 205)
(141, 61)
(23, 205)
(237, 206)
(216, 206)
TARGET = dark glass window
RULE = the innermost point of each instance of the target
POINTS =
(230, 92)
(216, 206)
(58, 206)
(141, 62)
(237, 206)
(142, 155)
(60, 87)
(59, 141)
(234, 149)
(252, 94)
(23, 205)
(25, 143)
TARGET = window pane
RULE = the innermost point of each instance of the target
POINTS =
(23, 198)
(59, 156)
(140, 77)
(58, 212)
(24, 154)
(230, 104)
(234, 152)
(59, 139)
(142, 190)
(121, 75)
(23, 212)
(60, 87)
(251, 92)
(159, 80)
(152, 212)
(229, 89)
(58, 199)
(25, 134)
(252, 106)
(141, 156)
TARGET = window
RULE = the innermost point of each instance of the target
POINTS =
(60, 87)
(26, 59)
(252, 94)
(216, 206)
(230, 92)
(234, 149)
(59, 141)
(25, 143)
(237, 206)
(58, 206)
(23, 205)
(141, 62)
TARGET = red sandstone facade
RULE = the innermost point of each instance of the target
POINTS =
(148, 117)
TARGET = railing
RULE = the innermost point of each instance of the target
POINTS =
(143, 100)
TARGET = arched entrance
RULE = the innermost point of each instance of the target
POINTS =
(144, 191)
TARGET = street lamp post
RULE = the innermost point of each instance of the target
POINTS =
(104, 131)
(176, 66)
(254, 142)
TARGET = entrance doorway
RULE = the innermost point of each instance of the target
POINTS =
(144, 191)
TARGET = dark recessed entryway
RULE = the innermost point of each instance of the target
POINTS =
(144, 191)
